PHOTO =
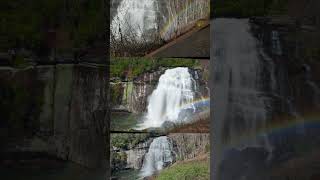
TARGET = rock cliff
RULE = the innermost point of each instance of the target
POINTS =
(132, 96)
(60, 110)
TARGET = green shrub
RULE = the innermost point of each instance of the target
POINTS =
(207, 148)
(132, 67)
(127, 140)
(194, 170)
(116, 93)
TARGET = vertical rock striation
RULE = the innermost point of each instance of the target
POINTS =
(70, 119)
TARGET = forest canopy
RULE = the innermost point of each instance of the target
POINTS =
(39, 26)
(133, 67)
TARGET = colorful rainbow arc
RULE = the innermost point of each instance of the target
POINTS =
(279, 126)
(198, 101)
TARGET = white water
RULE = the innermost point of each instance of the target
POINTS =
(144, 19)
(238, 87)
(134, 18)
(175, 88)
(159, 155)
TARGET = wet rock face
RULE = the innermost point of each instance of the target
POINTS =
(136, 155)
(287, 42)
(296, 85)
(71, 116)
(132, 96)
(135, 158)
(88, 113)
(131, 158)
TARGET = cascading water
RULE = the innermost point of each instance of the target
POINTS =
(133, 18)
(239, 88)
(159, 156)
(142, 18)
(176, 87)
(261, 103)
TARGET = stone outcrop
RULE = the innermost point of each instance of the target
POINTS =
(131, 158)
(136, 155)
(61, 110)
(132, 95)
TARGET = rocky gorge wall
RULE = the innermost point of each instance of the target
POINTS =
(132, 96)
(293, 50)
(292, 46)
(60, 110)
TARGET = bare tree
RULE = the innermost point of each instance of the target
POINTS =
(132, 41)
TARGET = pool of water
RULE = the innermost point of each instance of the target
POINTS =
(126, 175)
(122, 121)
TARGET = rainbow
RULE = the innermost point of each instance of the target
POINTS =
(170, 23)
(278, 126)
(197, 102)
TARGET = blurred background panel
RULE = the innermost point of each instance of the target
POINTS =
(58, 31)
(54, 79)
(265, 64)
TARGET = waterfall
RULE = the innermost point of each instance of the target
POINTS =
(175, 88)
(144, 19)
(239, 87)
(258, 118)
(134, 18)
(159, 156)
